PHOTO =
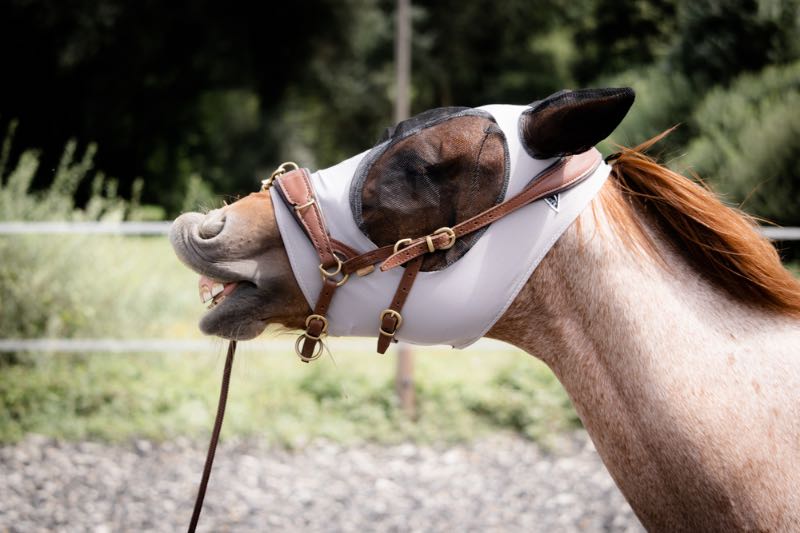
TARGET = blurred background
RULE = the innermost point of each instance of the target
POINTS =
(117, 111)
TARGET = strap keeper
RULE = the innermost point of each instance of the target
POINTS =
(309, 203)
(429, 240)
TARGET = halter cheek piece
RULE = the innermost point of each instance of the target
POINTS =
(337, 261)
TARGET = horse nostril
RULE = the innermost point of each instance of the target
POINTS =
(212, 225)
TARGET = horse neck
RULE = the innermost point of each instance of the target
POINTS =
(666, 372)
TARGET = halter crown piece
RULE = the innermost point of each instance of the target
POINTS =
(331, 254)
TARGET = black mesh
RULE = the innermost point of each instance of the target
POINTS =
(436, 169)
(571, 122)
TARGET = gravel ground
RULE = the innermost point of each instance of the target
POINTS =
(501, 483)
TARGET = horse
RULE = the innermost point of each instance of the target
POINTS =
(667, 317)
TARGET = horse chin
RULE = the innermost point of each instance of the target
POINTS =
(238, 316)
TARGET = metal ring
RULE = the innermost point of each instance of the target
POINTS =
(401, 242)
(317, 351)
(450, 233)
(390, 312)
(326, 274)
(317, 317)
(282, 169)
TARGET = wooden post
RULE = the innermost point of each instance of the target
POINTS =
(404, 379)
(402, 59)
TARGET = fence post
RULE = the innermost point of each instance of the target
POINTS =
(404, 378)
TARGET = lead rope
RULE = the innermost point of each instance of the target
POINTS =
(212, 445)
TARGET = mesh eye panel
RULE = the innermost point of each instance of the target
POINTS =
(436, 169)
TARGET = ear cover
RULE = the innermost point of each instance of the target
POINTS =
(571, 122)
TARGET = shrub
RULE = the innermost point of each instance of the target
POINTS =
(663, 99)
(66, 286)
(749, 142)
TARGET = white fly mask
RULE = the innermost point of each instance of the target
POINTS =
(438, 169)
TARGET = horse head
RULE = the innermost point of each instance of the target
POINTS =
(434, 170)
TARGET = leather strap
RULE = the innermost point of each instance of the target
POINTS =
(212, 444)
(391, 318)
(558, 177)
(296, 190)
(317, 324)
(367, 259)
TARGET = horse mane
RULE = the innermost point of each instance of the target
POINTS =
(719, 242)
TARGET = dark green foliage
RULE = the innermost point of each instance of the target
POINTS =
(618, 36)
(204, 99)
(718, 39)
(749, 142)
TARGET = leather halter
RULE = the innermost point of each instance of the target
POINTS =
(338, 261)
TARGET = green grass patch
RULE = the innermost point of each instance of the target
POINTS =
(460, 395)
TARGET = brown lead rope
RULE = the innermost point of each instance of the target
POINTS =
(212, 445)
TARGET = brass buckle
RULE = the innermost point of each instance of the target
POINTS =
(317, 351)
(282, 169)
(390, 312)
(324, 326)
(326, 274)
(403, 243)
(450, 233)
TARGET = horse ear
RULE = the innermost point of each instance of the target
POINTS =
(571, 122)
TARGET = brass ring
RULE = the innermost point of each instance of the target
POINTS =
(282, 169)
(401, 242)
(317, 317)
(390, 312)
(326, 274)
(317, 351)
(450, 233)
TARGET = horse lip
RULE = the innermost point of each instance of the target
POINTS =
(213, 289)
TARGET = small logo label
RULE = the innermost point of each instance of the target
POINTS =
(552, 201)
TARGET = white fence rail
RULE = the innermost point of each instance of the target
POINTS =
(116, 228)
(121, 346)
(781, 234)
(162, 228)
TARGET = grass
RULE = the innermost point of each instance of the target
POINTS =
(460, 395)
(119, 287)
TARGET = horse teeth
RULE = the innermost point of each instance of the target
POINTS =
(217, 288)
(205, 295)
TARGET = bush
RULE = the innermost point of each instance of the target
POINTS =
(749, 142)
(67, 286)
(663, 99)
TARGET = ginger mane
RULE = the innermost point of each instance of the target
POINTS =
(720, 242)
